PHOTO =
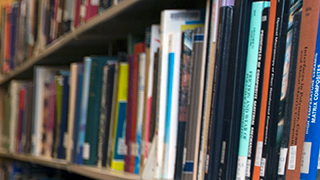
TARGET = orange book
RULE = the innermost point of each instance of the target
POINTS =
(305, 65)
(265, 90)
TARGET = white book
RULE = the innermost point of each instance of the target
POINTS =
(171, 21)
(14, 90)
(41, 76)
(75, 68)
(173, 105)
(140, 108)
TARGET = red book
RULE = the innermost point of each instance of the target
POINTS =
(77, 7)
(22, 95)
(132, 108)
(92, 8)
(7, 39)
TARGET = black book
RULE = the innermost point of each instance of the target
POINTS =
(269, 157)
(219, 93)
(258, 92)
(285, 119)
(235, 83)
(28, 120)
(107, 110)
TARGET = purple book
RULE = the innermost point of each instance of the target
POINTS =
(129, 114)
(51, 118)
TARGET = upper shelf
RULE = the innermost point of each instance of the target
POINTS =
(93, 37)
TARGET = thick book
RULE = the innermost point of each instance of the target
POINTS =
(196, 92)
(170, 140)
(219, 95)
(257, 93)
(171, 21)
(309, 165)
(118, 144)
(249, 85)
(75, 68)
(265, 89)
(298, 149)
(94, 105)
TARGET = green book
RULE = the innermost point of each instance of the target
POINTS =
(90, 146)
(59, 87)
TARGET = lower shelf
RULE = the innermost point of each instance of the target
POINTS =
(88, 171)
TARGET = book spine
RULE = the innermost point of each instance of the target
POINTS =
(118, 145)
(303, 80)
(91, 9)
(59, 94)
(257, 94)
(170, 139)
(109, 102)
(14, 25)
(22, 93)
(72, 109)
(140, 100)
(249, 86)
(50, 121)
(77, 10)
(84, 111)
(103, 118)
(129, 113)
(63, 137)
(265, 89)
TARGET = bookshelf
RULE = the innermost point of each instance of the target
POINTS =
(97, 37)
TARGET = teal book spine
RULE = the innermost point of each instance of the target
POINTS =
(93, 113)
(249, 85)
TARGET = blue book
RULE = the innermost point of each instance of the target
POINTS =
(249, 85)
(64, 117)
(75, 153)
(312, 135)
(15, 9)
(84, 108)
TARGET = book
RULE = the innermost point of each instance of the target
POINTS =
(82, 148)
(265, 90)
(58, 108)
(92, 7)
(112, 115)
(140, 100)
(94, 105)
(152, 44)
(257, 93)
(22, 97)
(75, 68)
(249, 85)
(49, 121)
(68, 15)
(171, 21)
(170, 139)
(105, 113)
(132, 107)
(118, 145)
(269, 154)
(218, 92)
(297, 161)
(63, 136)
(27, 129)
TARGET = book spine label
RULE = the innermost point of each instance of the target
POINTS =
(249, 86)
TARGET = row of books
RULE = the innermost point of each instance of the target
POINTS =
(260, 110)
(28, 26)
(105, 111)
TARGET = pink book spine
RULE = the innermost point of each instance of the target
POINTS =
(91, 9)
(77, 13)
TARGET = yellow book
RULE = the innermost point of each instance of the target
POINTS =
(118, 144)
